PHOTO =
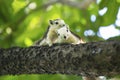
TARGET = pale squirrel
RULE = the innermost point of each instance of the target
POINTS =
(50, 35)
(67, 36)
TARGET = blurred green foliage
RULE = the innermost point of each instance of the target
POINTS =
(22, 22)
(41, 77)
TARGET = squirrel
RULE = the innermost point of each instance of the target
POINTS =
(65, 35)
(50, 35)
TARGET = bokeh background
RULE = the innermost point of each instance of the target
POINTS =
(22, 22)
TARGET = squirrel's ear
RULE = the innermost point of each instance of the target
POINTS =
(51, 22)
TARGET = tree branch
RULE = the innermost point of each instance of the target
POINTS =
(94, 58)
(77, 4)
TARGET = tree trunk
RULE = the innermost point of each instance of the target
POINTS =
(89, 59)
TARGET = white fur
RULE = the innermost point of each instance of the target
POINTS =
(70, 38)
(63, 32)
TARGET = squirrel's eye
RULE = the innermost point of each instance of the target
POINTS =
(67, 30)
(56, 22)
(65, 37)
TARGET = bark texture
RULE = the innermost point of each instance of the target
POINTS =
(94, 58)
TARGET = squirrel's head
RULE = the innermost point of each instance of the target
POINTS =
(57, 23)
(63, 33)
